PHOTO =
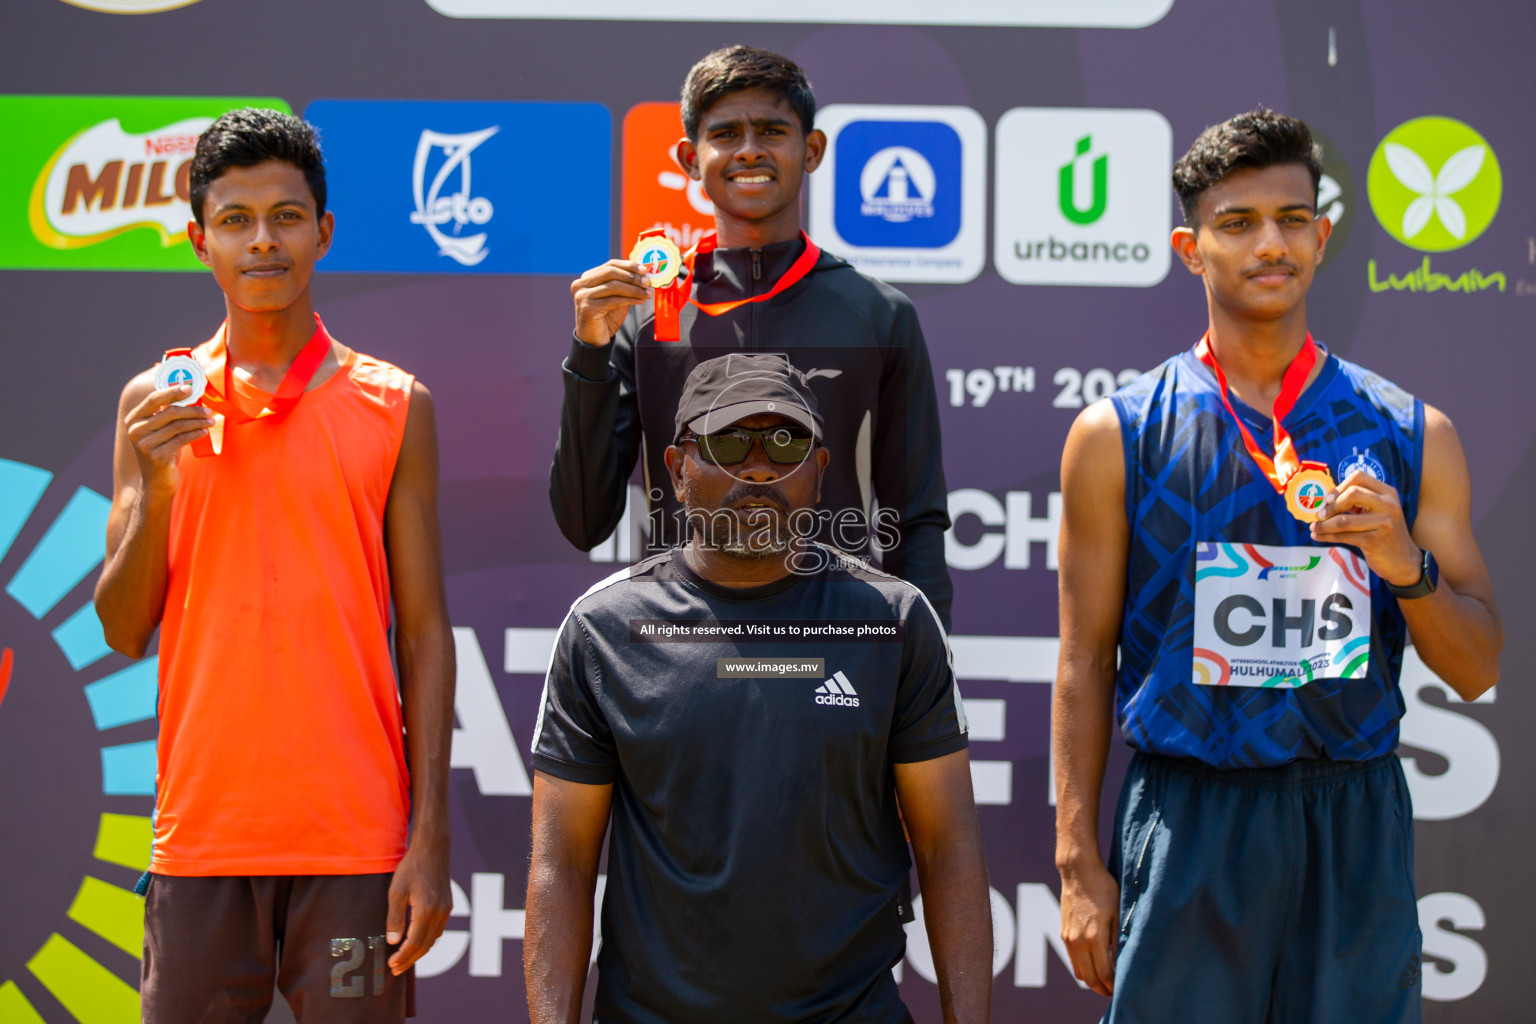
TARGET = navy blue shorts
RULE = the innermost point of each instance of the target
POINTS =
(1266, 896)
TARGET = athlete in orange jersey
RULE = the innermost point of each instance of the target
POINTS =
(286, 815)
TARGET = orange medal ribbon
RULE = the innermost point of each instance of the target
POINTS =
(227, 403)
(671, 299)
(1304, 484)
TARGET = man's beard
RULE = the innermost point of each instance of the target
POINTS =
(754, 533)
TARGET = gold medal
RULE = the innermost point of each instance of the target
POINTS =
(1306, 489)
(659, 258)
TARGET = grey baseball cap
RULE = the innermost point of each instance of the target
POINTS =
(730, 388)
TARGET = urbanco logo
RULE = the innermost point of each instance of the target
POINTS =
(1067, 192)
(1434, 184)
(434, 209)
(452, 187)
(1082, 197)
(901, 193)
(102, 182)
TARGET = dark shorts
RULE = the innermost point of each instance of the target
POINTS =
(214, 946)
(1266, 896)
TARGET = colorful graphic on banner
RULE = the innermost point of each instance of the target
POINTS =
(1082, 197)
(60, 947)
(100, 182)
(1079, 13)
(901, 193)
(655, 191)
(446, 188)
(1280, 616)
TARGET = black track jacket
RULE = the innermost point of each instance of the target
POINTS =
(858, 340)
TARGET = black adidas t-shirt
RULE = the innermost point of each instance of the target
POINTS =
(755, 849)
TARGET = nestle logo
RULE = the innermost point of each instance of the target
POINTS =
(164, 144)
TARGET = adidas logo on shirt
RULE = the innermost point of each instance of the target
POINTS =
(837, 690)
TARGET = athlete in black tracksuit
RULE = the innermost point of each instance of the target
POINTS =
(856, 338)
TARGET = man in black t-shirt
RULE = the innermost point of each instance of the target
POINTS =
(751, 141)
(748, 709)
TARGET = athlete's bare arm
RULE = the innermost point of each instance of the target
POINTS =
(939, 808)
(424, 653)
(1094, 548)
(602, 297)
(1456, 629)
(569, 819)
(130, 595)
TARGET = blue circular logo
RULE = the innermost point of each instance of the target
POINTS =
(1362, 462)
(655, 261)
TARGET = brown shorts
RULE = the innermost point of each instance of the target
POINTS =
(213, 947)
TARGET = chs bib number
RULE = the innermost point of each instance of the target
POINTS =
(1279, 616)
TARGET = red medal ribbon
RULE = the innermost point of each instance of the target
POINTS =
(228, 403)
(1285, 463)
(792, 276)
(671, 299)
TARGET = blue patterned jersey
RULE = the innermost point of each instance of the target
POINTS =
(1197, 504)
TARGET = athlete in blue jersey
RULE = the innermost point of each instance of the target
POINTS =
(1261, 870)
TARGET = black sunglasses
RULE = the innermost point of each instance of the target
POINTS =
(785, 446)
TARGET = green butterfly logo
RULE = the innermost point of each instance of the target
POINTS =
(1429, 209)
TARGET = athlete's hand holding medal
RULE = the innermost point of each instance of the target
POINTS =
(1366, 513)
(604, 294)
(167, 420)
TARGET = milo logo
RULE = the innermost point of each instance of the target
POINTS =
(106, 181)
(102, 182)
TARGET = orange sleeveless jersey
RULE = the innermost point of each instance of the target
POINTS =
(281, 745)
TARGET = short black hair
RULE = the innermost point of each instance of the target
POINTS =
(734, 68)
(251, 136)
(1258, 138)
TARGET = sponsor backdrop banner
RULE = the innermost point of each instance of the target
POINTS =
(1004, 163)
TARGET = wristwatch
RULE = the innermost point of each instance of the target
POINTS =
(1429, 578)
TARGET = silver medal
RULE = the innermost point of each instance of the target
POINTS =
(182, 370)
